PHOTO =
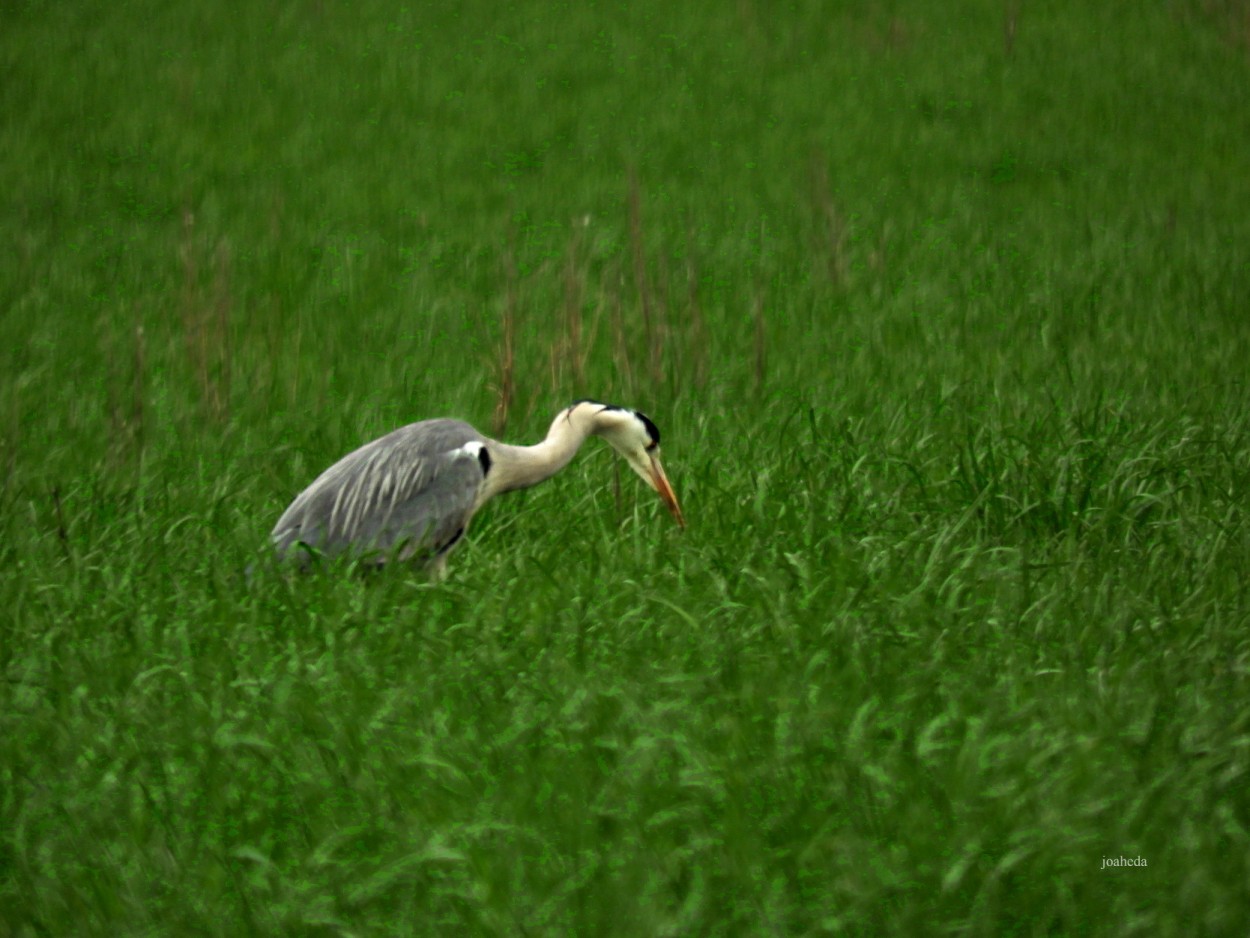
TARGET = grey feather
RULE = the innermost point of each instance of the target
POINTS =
(412, 491)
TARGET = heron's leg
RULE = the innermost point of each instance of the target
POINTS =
(437, 568)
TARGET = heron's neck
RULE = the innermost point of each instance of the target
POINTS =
(519, 467)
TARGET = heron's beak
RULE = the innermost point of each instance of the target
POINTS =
(659, 481)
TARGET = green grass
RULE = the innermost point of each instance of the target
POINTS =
(948, 344)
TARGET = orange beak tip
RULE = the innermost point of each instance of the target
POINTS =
(665, 490)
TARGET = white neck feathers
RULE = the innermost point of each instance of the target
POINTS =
(519, 467)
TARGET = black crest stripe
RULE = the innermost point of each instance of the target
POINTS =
(653, 432)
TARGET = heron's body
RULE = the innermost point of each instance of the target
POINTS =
(411, 494)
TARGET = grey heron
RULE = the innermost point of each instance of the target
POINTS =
(411, 494)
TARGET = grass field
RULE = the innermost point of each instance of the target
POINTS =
(944, 316)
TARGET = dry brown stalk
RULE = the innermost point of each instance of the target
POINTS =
(221, 350)
(206, 323)
(112, 393)
(830, 226)
(136, 388)
(12, 443)
(124, 394)
(574, 288)
(696, 329)
(505, 365)
(596, 322)
(640, 274)
(761, 352)
(295, 372)
(620, 351)
(662, 329)
(189, 305)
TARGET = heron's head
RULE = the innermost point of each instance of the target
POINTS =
(633, 435)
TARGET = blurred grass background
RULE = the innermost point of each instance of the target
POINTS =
(942, 313)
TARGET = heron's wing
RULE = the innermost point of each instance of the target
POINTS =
(413, 489)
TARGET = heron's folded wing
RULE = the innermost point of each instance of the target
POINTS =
(413, 489)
